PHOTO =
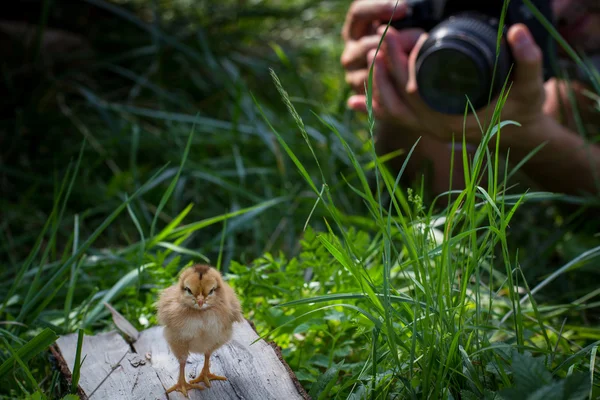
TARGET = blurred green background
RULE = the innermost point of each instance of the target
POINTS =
(133, 78)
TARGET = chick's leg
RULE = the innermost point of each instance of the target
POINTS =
(181, 384)
(205, 375)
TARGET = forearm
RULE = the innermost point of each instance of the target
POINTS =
(430, 157)
(565, 164)
(390, 138)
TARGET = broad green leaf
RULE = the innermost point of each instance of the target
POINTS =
(320, 389)
(551, 391)
(577, 386)
(530, 373)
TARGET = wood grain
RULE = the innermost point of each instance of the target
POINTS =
(253, 371)
(110, 369)
(144, 370)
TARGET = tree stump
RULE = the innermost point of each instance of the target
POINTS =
(143, 368)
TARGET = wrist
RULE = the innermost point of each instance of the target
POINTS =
(391, 132)
(559, 142)
(523, 138)
(566, 162)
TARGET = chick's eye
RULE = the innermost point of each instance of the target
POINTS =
(187, 289)
(211, 291)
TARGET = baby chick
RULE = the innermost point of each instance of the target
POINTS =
(198, 313)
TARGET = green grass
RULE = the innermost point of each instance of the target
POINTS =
(229, 143)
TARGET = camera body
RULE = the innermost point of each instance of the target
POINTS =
(459, 60)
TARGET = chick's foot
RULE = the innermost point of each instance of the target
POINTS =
(206, 376)
(183, 387)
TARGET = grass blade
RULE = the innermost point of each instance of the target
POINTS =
(60, 271)
(186, 229)
(18, 360)
(112, 293)
(29, 350)
(183, 250)
(165, 197)
(78, 363)
(346, 296)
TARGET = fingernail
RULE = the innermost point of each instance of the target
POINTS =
(526, 49)
(371, 55)
(522, 39)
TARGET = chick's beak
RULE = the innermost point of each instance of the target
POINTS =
(200, 302)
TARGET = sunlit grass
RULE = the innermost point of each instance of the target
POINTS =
(445, 315)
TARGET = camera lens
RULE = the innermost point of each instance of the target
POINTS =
(457, 62)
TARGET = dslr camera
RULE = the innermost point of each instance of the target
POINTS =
(459, 60)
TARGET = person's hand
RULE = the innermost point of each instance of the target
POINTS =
(396, 99)
(360, 36)
(559, 106)
(388, 104)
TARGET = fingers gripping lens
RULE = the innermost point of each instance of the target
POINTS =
(457, 63)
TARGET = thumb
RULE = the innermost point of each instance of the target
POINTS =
(528, 71)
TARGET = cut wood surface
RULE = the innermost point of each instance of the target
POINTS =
(110, 369)
(114, 369)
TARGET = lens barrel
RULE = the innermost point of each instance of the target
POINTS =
(457, 62)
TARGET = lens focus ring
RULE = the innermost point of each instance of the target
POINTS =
(457, 61)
